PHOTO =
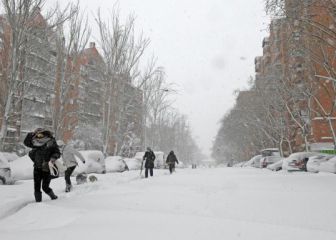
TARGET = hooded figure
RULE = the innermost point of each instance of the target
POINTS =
(44, 150)
(171, 160)
(149, 157)
(69, 155)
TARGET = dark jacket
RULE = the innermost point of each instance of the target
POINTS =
(41, 155)
(171, 159)
(149, 157)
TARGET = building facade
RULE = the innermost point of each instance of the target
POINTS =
(299, 53)
(33, 90)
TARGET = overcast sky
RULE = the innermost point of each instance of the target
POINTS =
(207, 48)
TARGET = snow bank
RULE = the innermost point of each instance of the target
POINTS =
(9, 156)
(3, 161)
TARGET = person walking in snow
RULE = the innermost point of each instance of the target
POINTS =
(69, 159)
(171, 160)
(149, 157)
(44, 151)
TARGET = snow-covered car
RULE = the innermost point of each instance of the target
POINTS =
(269, 156)
(22, 168)
(277, 166)
(314, 162)
(265, 161)
(270, 152)
(328, 166)
(159, 158)
(180, 165)
(240, 164)
(115, 164)
(295, 162)
(133, 163)
(5, 171)
(253, 162)
(94, 162)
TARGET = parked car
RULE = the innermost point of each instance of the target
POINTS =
(240, 164)
(180, 165)
(277, 166)
(265, 161)
(270, 152)
(115, 164)
(314, 162)
(5, 170)
(328, 166)
(269, 156)
(133, 163)
(94, 162)
(253, 162)
(295, 162)
(22, 168)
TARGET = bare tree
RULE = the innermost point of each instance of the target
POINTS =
(24, 21)
(71, 40)
(122, 52)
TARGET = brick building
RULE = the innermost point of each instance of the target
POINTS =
(83, 110)
(31, 103)
(87, 110)
(300, 52)
(83, 107)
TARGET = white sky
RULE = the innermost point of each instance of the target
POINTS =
(207, 48)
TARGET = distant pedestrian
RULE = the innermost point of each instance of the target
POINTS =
(44, 151)
(69, 158)
(171, 160)
(305, 161)
(149, 157)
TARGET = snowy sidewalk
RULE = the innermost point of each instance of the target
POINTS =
(228, 203)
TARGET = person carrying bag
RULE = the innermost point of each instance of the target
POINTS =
(44, 150)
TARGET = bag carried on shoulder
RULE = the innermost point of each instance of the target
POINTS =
(60, 166)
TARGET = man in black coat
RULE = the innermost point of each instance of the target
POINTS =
(44, 150)
(171, 160)
(149, 157)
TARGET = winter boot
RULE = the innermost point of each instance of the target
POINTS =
(68, 188)
(38, 196)
(52, 195)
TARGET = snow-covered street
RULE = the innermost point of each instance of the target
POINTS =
(222, 203)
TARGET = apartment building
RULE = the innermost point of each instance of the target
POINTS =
(83, 106)
(32, 97)
(97, 112)
(300, 52)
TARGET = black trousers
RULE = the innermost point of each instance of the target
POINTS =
(68, 173)
(171, 168)
(150, 171)
(41, 178)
